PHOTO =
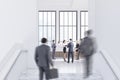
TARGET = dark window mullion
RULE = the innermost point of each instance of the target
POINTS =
(63, 24)
(59, 26)
(72, 25)
(43, 26)
(68, 27)
(51, 24)
(47, 26)
(76, 28)
(84, 22)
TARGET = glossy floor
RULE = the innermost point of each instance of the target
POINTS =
(67, 71)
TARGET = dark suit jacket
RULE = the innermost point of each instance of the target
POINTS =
(43, 56)
(87, 46)
(53, 46)
(70, 46)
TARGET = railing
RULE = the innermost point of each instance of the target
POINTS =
(113, 67)
(9, 60)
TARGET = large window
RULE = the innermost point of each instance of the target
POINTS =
(84, 23)
(47, 25)
(68, 25)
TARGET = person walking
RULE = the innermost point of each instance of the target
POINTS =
(43, 58)
(87, 48)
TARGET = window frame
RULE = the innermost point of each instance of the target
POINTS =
(81, 23)
(70, 25)
(47, 25)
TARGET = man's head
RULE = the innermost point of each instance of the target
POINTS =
(70, 40)
(89, 32)
(63, 41)
(43, 40)
(53, 41)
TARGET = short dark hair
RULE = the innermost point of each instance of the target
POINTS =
(89, 32)
(53, 40)
(43, 40)
(70, 39)
(63, 41)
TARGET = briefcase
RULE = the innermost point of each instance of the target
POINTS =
(52, 73)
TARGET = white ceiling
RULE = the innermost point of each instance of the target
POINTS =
(55, 2)
(58, 4)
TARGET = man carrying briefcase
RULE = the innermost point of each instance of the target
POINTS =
(52, 73)
(43, 58)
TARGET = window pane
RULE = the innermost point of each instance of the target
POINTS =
(82, 18)
(86, 18)
(74, 18)
(65, 33)
(40, 18)
(40, 33)
(84, 23)
(39, 43)
(74, 33)
(49, 34)
(70, 32)
(61, 33)
(49, 43)
(78, 33)
(53, 18)
(49, 18)
(67, 23)
(65, 18)
(53, 33)
(86, 28)
(45, 18)
(82, 32)
(61, 18)
(70, 18)
(45, 32)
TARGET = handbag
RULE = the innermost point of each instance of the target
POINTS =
(52, 73)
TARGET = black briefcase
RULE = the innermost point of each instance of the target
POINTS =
(52, 73)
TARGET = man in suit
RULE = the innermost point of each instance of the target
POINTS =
(87, 48)
(43, 58)
(70, 50)
(53, 49)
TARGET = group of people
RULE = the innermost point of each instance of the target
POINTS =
(70, 47)
(86, 48)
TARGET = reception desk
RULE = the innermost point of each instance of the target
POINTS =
(59, 54)
(59, 51)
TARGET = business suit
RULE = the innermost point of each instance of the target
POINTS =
(70, 51)
(53, 50)
(87, 48)
(43, 58)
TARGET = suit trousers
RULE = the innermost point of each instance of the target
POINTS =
(88, 65)
(42, 71)
(53, 54)
(70, 54)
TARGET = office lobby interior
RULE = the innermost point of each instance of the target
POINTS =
(23, 23)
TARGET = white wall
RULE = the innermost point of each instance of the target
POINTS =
(18, 24)
(106, 25)
(91, 8)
